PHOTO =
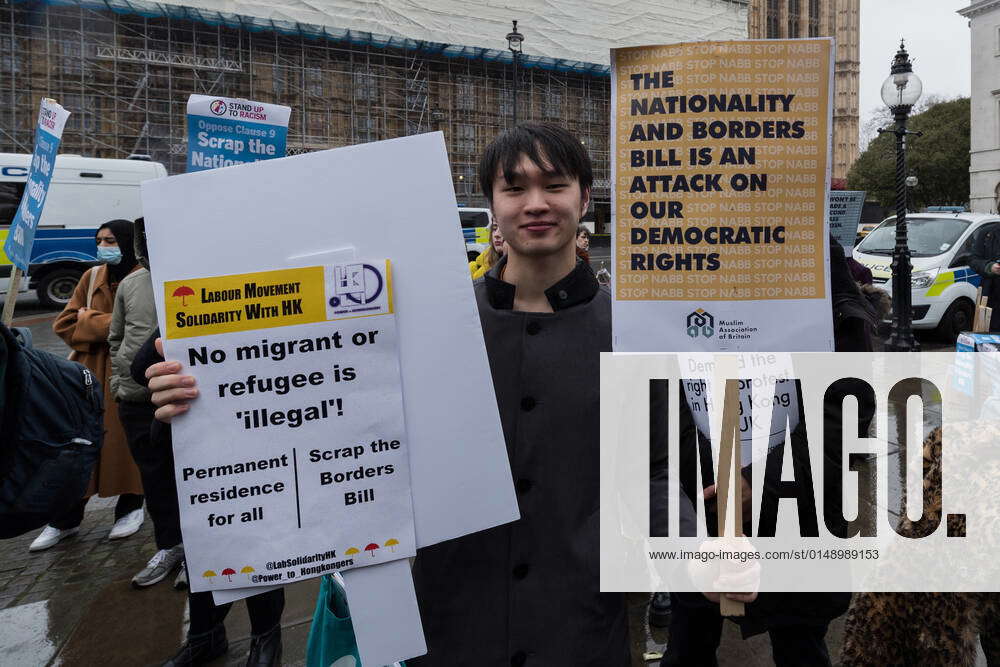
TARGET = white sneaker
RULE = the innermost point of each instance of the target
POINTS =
(50, 537)
(159, 566)
(127, 525)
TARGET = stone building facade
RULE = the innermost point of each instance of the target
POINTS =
(984, 141)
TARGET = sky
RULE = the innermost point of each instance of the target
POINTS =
(936, 37)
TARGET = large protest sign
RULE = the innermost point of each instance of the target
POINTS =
(721, 170)
(300, 420)
(401, 191)
(845, 214)
(225, 131)
(51, 121)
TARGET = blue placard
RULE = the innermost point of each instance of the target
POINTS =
(51, 120)
(223, 132)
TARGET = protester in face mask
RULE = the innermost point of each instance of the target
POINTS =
(84, 325)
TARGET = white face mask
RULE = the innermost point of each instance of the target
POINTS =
(109, 254)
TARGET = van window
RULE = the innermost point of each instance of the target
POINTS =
(10, 198)
(90, 204)
(966, 252)
(962, 255)
(471, 219)
(926, 237)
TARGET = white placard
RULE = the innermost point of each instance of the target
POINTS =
(845, 215)
(382, 597)
(390, 199)
(298, 434)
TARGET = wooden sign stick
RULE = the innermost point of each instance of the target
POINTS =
(730, 483)
(12, 290)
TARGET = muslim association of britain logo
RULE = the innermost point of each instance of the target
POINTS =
(218, 107)
(700, 323)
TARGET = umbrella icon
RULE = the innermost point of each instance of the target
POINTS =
(391, 543)
(372, 547)
(351, 552)
(228, 573)
(183, 292)
(208, 574)
(247, 570)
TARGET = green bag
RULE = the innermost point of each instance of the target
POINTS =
(331, 637)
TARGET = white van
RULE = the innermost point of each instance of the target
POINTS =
(944, 286)
(84, 194)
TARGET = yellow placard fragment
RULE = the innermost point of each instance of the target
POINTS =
(721, 170)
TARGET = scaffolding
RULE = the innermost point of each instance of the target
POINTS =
(126, 77)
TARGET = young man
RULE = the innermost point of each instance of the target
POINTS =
(526, 592)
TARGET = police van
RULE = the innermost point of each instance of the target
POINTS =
(944, 285)
(84, 194)
(476, 229)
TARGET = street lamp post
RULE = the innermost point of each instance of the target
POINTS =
(900, 92)
(514, 40)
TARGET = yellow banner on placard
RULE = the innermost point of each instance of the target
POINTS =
(243, 302)
(721, 153)
(280, 298)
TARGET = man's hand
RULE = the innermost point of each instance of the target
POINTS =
(716, 576)
(747, 577)
(747, 496)
(171, 391)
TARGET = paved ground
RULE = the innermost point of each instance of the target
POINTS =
(73, 605)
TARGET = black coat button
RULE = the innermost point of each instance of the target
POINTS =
(524, 485)
(527, 404)
(521, 571)
(518, 659)
(533, 328)
(563, 295)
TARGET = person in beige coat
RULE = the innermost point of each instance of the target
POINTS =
(84, 324)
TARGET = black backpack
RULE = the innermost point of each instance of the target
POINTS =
(51, 431)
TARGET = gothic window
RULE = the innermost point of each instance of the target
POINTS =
(465, 138)
(773, 19)
(314, 81)
(793, 18)
(552, 102)
(465, 93)
(814, 18)
(365, 85)
(365, 128)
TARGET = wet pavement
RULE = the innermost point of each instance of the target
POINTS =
(73, 604)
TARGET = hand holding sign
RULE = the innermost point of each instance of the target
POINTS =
(171, 390)
(736, 579)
